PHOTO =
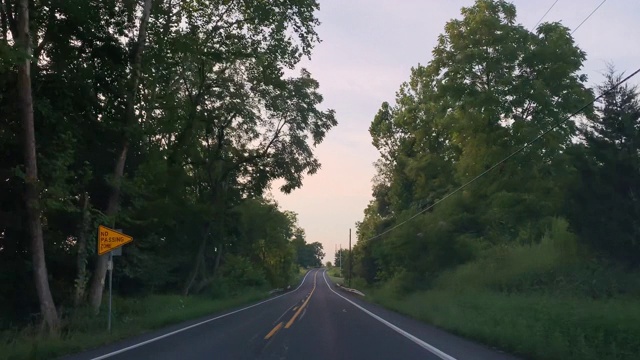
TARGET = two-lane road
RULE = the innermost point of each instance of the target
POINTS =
(315, 321)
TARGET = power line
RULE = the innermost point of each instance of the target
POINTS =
(545, 14)
(519, 150)
(587, 18)
(574, 30)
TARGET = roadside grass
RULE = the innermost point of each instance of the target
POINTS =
(335, 272)
(336, 280)
(131, 317)
(548, 300)
(530, 325)
(335, 276)
(298, 277)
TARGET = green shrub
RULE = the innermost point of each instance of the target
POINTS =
(334, 271)
(239, 272)
(544, 300)
(516, 267)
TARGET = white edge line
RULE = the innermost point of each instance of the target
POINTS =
(423, 344)
(108, 355)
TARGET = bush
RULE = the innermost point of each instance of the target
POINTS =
(401, 283)
(516, 267)
(239, 272)
(546, 300)
(335, 272)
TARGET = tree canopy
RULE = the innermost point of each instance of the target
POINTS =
(491, 87)
(168, 119)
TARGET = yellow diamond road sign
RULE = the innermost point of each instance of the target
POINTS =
(109, 239)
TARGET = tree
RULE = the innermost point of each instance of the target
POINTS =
(605, 204)
(24, 40)
(167, 119)
(318, 253)
(97, 282)
(490, 87)
(307, 255)
(339, 257)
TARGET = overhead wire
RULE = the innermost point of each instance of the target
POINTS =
(588, 16)
(545, 14)
(520, 149)
(523, 147)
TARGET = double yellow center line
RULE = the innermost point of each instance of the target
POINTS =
(295, 316)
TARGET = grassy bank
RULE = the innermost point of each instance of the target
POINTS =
(83, 330)
(298, 277)
(534, 326)
(131, 317)
(335, 276)
(544, 301)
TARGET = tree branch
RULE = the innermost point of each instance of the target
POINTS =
(46, 38)
(224, 13)
(13, 25)
(4, 26)
(263, 153)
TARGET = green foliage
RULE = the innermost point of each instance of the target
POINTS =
(542, 301)
(490, 87)
(604, 205)
(239, 272)
(517, 268)
(533, 326)
(132, 316)
(9, 57)
(334, 272)
(539, 255)
(307, 255)
(215, 122)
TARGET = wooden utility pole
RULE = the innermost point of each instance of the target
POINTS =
(350, 258)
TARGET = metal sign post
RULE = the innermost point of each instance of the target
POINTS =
(112, 253)
(110, 267)
(111, 241)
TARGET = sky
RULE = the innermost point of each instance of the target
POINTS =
(368, 48)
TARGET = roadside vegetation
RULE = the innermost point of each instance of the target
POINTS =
(335, 275)
(540, 255)
(169, 120)
(131, 316)
(530, 301)
(84, 330)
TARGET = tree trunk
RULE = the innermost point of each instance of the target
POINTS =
(218, 257)
(198, 263)
(100, 271)
(97, 282)
(81, 259)
(196, 269)
(208, 280)
(34, 226)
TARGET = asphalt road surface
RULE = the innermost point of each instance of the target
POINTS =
(314, 321)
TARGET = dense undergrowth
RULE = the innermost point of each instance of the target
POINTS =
(548, 300)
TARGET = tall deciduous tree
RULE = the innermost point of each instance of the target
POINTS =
(165, 137)
(31, 196)
(97, 282)
(491, 86)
